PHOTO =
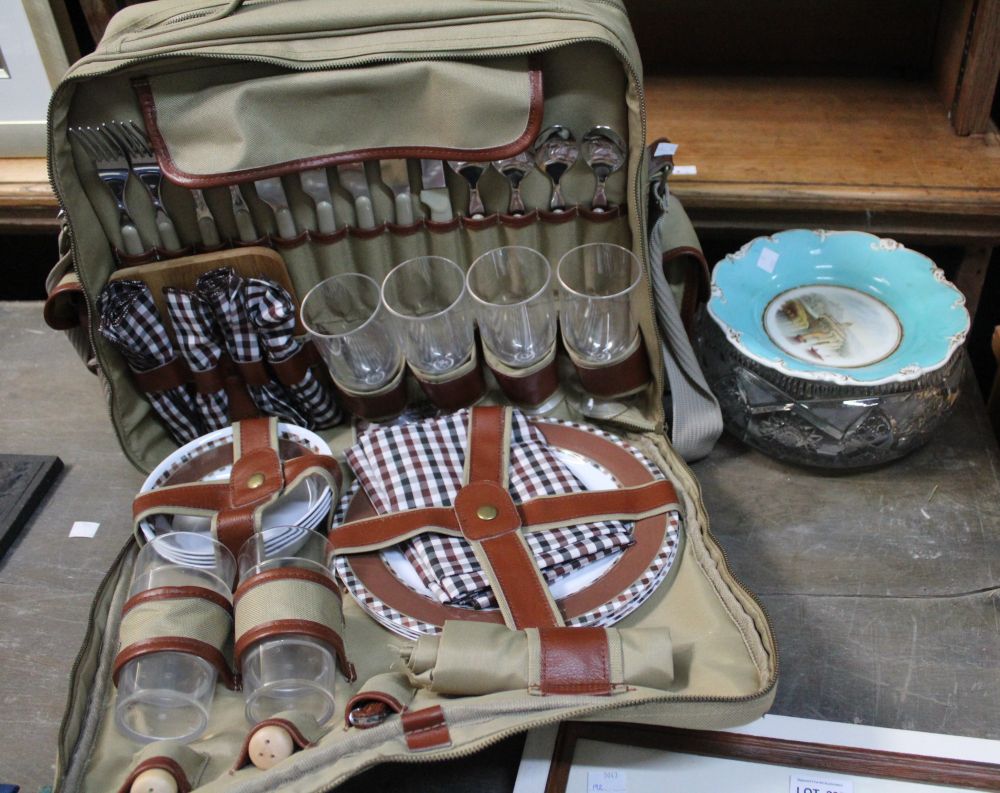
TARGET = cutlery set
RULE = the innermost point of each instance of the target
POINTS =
(119, 150)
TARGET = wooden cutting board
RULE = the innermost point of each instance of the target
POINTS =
(184, 273)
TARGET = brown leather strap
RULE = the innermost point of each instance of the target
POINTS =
(176, 644)
(426, 729)
(464, 390)
(167, 764)
(574, 661)
(315, 630)
(617, 379)
(253, 372)
(697, 280)
(376, 406)
(174, 593)
(487, 453)
(209, 381)
(292, 370)
(171, 375)
(297, 466)
(532, 389)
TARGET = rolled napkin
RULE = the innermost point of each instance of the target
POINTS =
(225, 293)
(475, 658)
(272, 312)
(200, 343)
(131, 322)
(421, 464)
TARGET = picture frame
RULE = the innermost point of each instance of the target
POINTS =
(912, 771)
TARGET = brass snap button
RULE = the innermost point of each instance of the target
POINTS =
(255, 481)
(487, 512)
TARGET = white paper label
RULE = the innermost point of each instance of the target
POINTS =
(767, 259)
(684, 170)
(665, 149)
(813, 784)
(84, 528)
(608, 781)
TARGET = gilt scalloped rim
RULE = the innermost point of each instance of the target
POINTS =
(750, 338)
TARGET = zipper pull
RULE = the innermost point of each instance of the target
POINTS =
(661, 165)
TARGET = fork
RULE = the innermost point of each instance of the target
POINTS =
(112, 169)
(134, 143)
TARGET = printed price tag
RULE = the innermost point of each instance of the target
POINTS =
(665, 149)
(685, 170)
(608, 781)
(812, 784)
(767, 260)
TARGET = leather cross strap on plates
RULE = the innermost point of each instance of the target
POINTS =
(485, 515)
(258, 478)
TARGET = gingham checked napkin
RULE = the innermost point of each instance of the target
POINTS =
(420, 464)
(224, 292)
(200, 343)
(132, 323)
(272, 312)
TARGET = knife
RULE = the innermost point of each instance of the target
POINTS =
(353, 179)
(397, 177)
(241, 213)
(434, 194)
(272, 193)
(317, 187)
(206, 222)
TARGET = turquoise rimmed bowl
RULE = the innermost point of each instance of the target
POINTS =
(836, 349)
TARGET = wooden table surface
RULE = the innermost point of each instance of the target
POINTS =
(882, 586)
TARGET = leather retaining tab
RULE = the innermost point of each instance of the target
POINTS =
(253, 372)
(426, 729)
(460, 392)
(574, 661)
(627, 376)
(531, 389)
(291, 370)
(172, 374)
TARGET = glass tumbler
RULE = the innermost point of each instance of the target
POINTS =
(290, 671)
(427, 298)
(345, 317)
(166, 695)
(515, 305)
(597, 283)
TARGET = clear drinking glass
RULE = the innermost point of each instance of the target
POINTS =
(348, 323)
(293, 671)
(597, 283)
(167, 695)
(515, 304)
(427, 298)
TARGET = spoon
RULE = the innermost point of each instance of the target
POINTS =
(514, 169)
(471, 172)
(604, 151)
(555, 152)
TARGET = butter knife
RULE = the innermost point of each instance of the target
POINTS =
(434, 190)
(272, 193)
(241, 213)
(354, 181)
(317, 187)
(206, 221)
(397, 177)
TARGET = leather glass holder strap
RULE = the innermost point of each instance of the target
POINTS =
(528, 387)
(387, 402)
(259, 476)
(485, 515)
(290, 601)
(628, 375)
(182, 619)
(459, 388)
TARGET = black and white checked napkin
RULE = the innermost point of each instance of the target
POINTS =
(272, 312)
(200, 343)
(225, 293)
(420, 464)
(131, 322)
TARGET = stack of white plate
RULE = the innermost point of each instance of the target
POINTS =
(304, 507)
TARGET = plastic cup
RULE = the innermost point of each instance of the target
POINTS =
(294, 671)
(167, 695)
(597, 284)
(345, 317)
(515, 306)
